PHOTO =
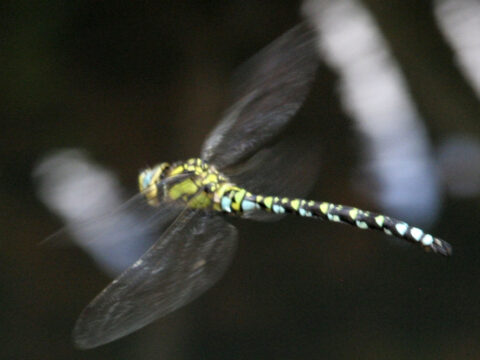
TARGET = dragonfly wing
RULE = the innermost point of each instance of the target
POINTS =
(190, 256)
(91, 202)
(287, 168)
(273, 85)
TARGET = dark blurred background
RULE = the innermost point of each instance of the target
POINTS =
(135, 83)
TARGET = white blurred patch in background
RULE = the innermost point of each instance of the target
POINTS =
(459, 155)
(459, 21)
(88, 198)
(373, 92)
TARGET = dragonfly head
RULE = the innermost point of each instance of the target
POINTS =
(149, 181)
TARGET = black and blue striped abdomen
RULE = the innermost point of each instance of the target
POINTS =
(241, 201)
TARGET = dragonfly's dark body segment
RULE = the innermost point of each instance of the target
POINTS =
(201, 186)
(245, 157)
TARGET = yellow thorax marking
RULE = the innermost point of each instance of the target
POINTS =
(178, 170)
(201, 201)
(211, 178)
(186, 187)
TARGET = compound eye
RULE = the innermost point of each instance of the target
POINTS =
(144, 179)
(147, 177)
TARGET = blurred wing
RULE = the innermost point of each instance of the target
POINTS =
(90, 201)
(288, 168)
(271, 88)
(115, 241)
(190, 257)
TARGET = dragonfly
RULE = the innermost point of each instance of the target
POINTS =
(231, 178)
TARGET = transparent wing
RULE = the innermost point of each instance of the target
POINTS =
(289, 168)
(270, 89)
(190, 256)
(135, 213)
(90, 201)
(116, 240)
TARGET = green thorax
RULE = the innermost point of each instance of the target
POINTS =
(194, 182)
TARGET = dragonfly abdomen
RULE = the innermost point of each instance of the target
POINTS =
(240, 200)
